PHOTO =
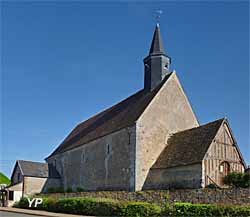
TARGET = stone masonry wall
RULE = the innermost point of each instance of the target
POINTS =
(188, 176)
(235, 196)
(169, 112)
(106, 163)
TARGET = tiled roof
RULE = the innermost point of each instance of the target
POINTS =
(188, 146)
(37, 169)
(119, 116)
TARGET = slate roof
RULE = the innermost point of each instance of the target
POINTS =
(119, 116)
(157, 44)
(37, 169)
(188, 146)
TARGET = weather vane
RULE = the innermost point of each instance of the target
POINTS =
(158, 14)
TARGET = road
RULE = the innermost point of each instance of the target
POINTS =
(12, 214)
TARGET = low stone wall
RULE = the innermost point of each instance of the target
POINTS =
(236, 196)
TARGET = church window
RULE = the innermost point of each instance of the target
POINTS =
(108, 149)
(18, 177)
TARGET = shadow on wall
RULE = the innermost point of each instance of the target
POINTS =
(182, 177)
(54, 180)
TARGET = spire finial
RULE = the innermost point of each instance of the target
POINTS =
(158, 14)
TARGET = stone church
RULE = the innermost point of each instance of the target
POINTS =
(151, 140)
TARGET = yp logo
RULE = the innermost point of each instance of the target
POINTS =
(36, 201)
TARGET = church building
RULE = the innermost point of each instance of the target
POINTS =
(151, 140)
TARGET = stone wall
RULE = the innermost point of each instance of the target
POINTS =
(107, 163)
(235, 196)
(52, 182)
(189, 176)
(168, 112)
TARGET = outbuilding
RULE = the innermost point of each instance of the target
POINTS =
(29, 178)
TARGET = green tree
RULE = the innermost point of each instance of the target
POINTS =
(4, 179)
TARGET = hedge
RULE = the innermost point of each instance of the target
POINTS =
(188, 209)
(137, 209)
(107, 207)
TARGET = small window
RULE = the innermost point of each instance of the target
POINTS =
(108, 149)
(11, 195)
(221, 168)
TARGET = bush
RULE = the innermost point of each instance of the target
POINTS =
(238, 179)
(59, 190)
(51, 190)
(107, 207)
(81, 206)
(56, 190)
(137, 209)
(211, 186)
(49, 204)
(69, 190)
(23, 203)
(79, 189)
(188, 209)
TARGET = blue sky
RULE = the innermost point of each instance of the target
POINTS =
(64, 62)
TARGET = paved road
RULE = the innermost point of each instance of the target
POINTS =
(12, 214)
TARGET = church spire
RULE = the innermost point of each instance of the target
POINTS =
(157, 44)
(156, 64)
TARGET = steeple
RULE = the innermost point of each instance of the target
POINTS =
(157, 44)
(156, 64)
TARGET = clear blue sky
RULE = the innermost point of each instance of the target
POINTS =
(64, 62)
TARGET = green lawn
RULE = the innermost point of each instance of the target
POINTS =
(4, 179)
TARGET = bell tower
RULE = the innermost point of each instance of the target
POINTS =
(157, 63)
